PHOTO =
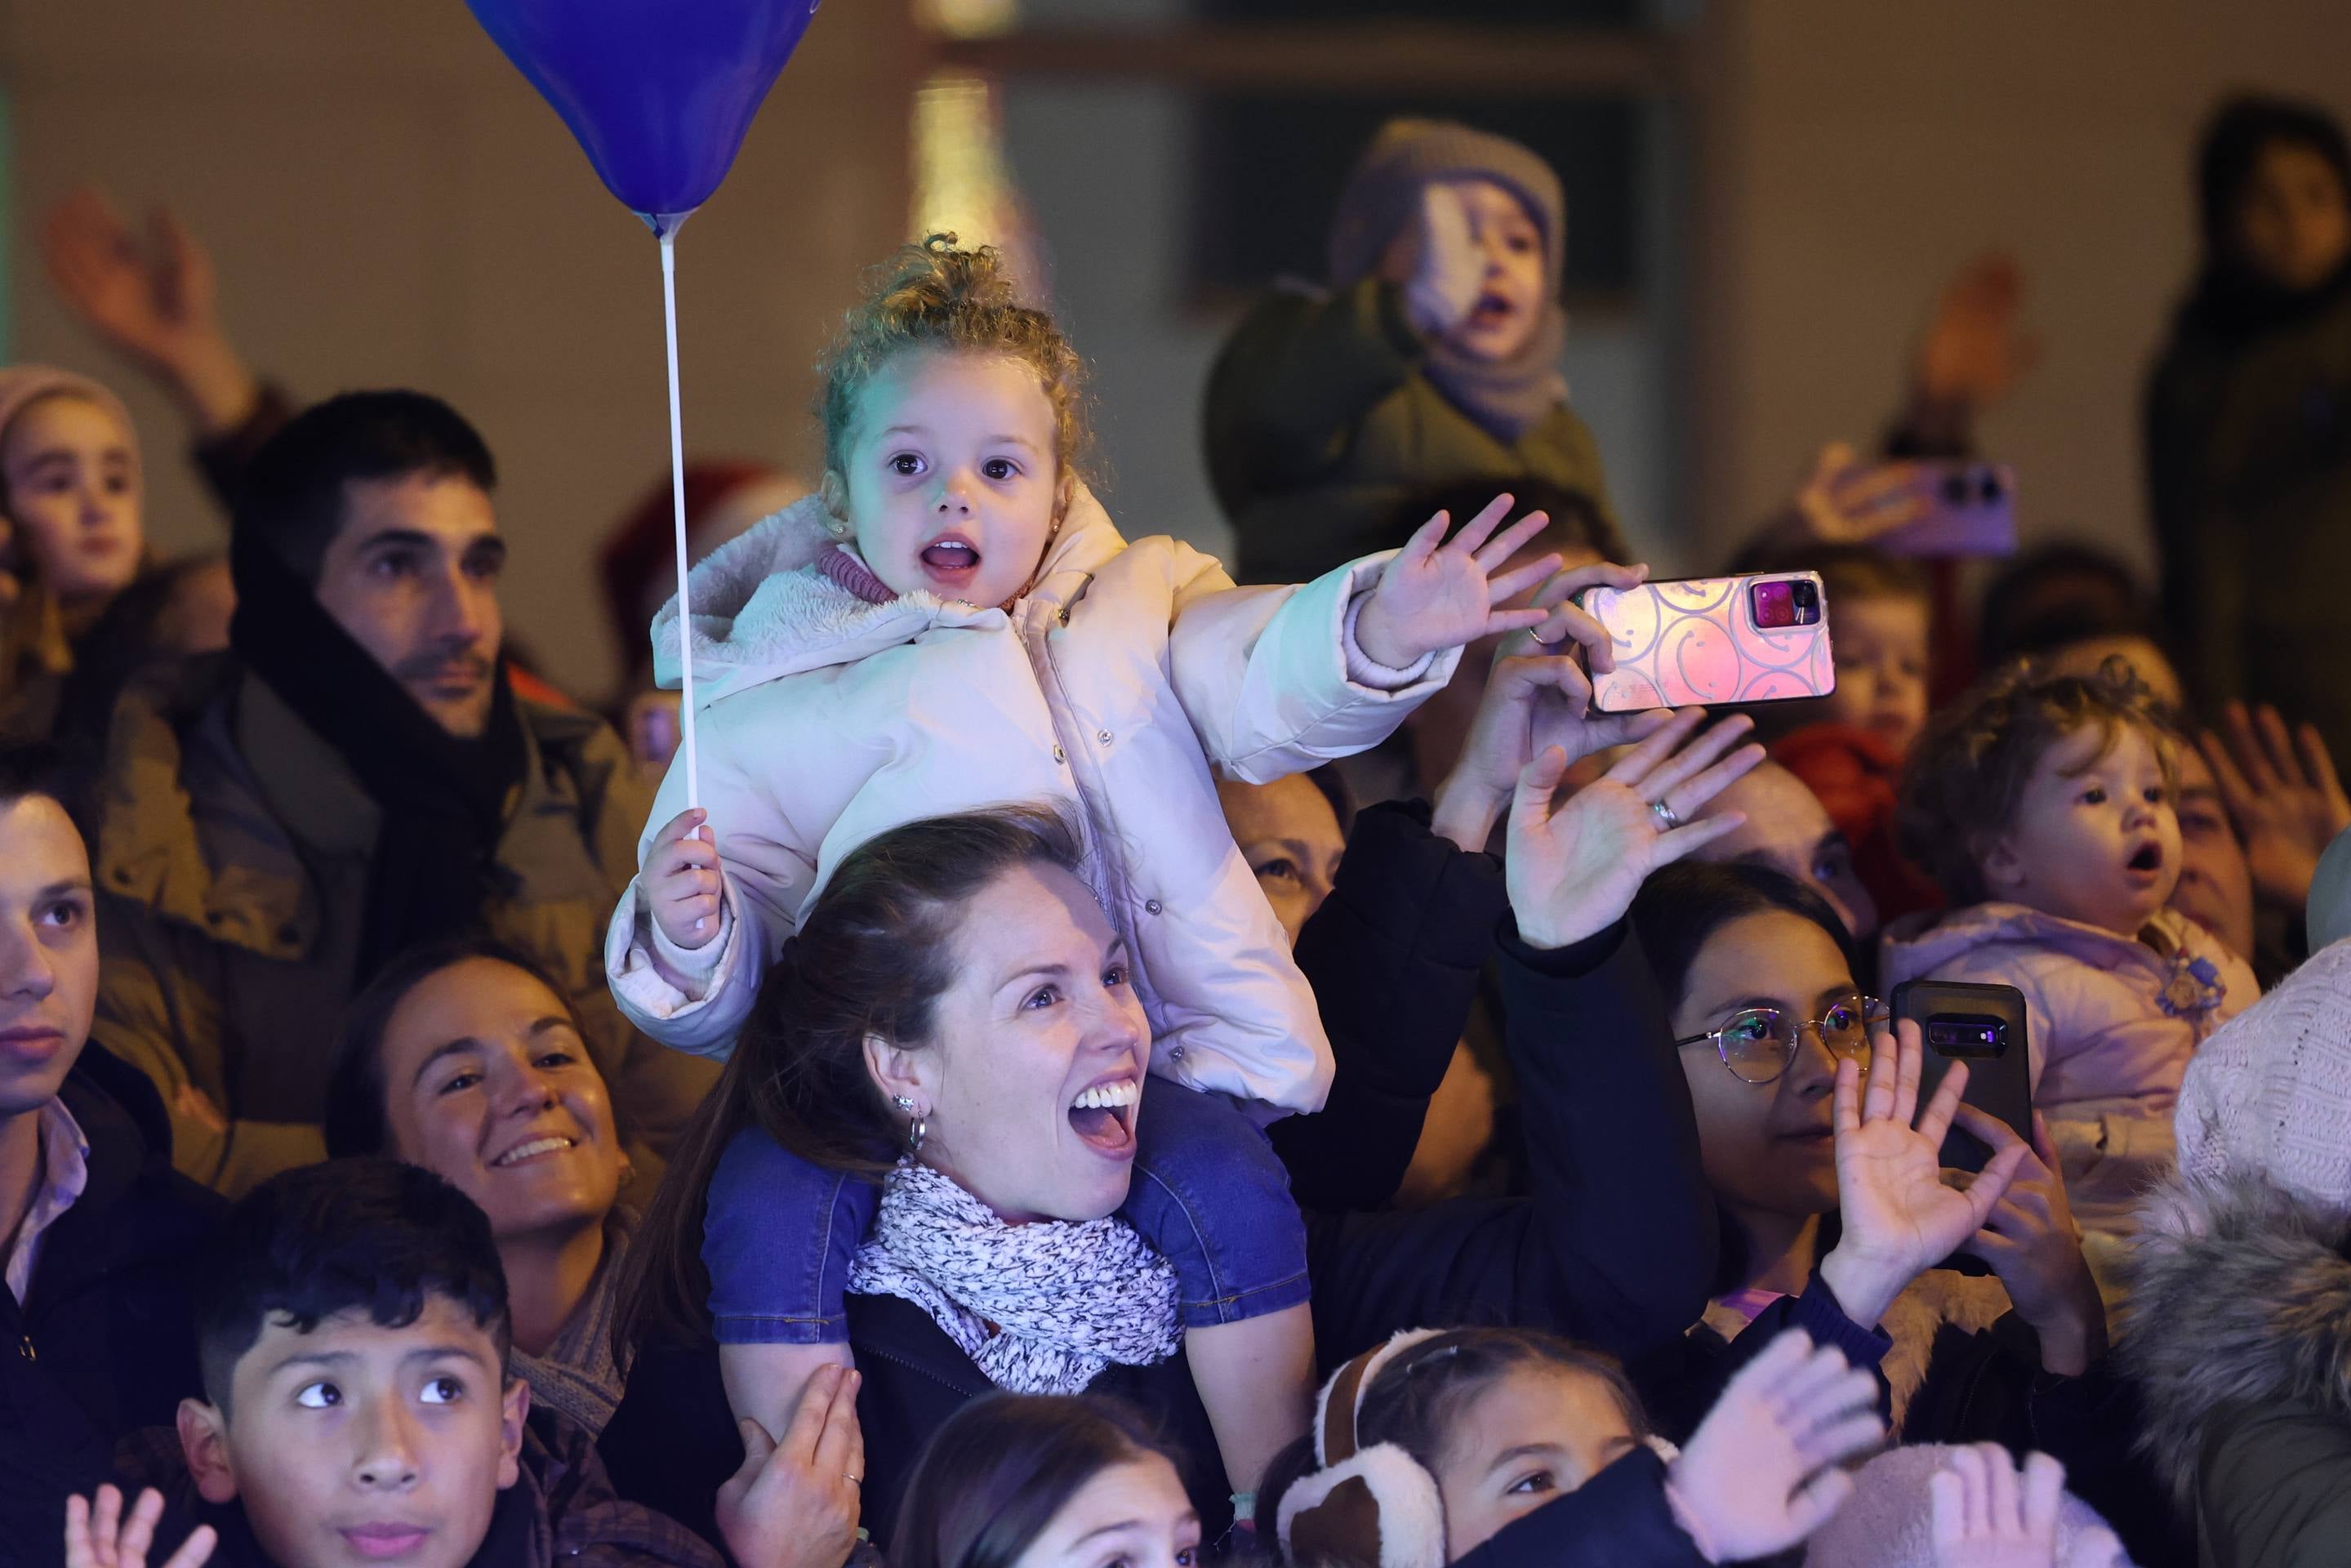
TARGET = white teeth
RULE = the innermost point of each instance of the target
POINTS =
(536, 1146)
(1107, 1096)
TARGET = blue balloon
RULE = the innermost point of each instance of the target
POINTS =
(659, 92)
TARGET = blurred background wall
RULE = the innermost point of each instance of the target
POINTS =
(1766, 196)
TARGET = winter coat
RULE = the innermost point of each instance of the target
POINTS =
(2239, 1335)
(1322, 426)
(2248, 435)
(232, 866)
(561, 1509)
(2112, 1021)
(105, 1341)
(1112, 687)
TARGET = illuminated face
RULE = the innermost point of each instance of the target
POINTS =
(72, 488)
(1134, 1515)
(1533, 1434)
(412, 576)
(2095, 836)
(952, 484)
(360, 1444)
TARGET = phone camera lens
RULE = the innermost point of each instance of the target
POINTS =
(1993, 489)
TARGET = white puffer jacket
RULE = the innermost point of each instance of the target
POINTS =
(1112, 688)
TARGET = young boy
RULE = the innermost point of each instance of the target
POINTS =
(353, 1330)
(98, 1237)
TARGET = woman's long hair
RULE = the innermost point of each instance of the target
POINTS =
(872, 959)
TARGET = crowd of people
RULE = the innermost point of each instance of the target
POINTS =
(1107, 1066)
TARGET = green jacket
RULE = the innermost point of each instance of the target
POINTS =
(1321, 427)
(233, 867)
(2249, 481)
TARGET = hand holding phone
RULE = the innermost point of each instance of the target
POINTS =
(1983, 1026)
(1708, 641)
(1963, 509)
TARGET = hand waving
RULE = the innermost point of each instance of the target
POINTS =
(2281, 793)
(1988, 1515)
(1901, 1217)
(1572, 869)
(102, 1538)
(1441, 593)
(1974, 354)
(1760, 1474)
(795, 1504)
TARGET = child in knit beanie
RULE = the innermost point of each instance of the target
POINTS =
(1432, 358)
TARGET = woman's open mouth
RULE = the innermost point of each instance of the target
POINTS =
(1102, 1116)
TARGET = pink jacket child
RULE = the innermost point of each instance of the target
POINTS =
(2112, 1021)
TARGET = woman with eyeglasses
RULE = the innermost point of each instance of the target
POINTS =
(1837, 1215)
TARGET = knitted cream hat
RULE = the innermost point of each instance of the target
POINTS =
(23, 385)
(2269, 1095)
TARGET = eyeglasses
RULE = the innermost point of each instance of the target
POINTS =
(1758, 1043)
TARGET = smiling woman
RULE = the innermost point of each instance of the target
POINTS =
(462, 1059)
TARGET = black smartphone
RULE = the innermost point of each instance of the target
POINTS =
(1983, 1026)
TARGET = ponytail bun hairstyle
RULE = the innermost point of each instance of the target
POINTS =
(933, 296)
(873, 958)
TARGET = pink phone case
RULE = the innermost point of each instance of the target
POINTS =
(1694, 642)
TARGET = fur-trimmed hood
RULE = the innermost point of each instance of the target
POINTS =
(2240, 1296)
(762, 609)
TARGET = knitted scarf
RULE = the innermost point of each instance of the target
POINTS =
(1039, 1308)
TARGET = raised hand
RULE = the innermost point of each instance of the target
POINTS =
(1572, 869)
(2281, 793)
(1901, 1215)
(1760, 1473)
(1440, 593)
(1974, 354)
(795, 1504)
(1538, 695)
(1987, 1515)
(102, 1538)
(1848, 501)
(153, 303)
(2032, 1244)
(1447, 269)
(681, 880)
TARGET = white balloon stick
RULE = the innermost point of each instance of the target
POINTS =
(677, 512)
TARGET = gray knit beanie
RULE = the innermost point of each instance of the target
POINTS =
(1383, 191)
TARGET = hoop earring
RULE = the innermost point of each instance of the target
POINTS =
(918, 1128)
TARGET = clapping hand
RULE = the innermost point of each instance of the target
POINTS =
(2281, 793)
(1439, 593)
(102, 1537)
(1987, 1515)
(1760, 1473)
(1901, 1215)
(1573, 868)
(795, 1504)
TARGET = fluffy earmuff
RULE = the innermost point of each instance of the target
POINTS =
(1374, 1506)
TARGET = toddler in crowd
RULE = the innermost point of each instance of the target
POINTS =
(953, 622)
(1851, 745)
(2046, 806)
(1433, 358)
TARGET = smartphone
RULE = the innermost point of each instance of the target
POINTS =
(1714, 640)
(1970, 511)
(1983, 1026)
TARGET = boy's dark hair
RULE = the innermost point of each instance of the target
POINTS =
(1417, 1397)
(365, 1235)
(1576, 522)
(1681, 907)
(355, 1123)
(291, 496)
(54, 773)
(2234, 138)
(2058, 595)
(1963, 780)
(995, 1473)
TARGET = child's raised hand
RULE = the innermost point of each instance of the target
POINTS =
(1441, 593)
(1760, 1473)
(1987, 1515)
(681, 881)
(102, 1537)
(795, 1504)
(1447, 269)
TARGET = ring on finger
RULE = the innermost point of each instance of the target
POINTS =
(852, 1481)
(1668, 818)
